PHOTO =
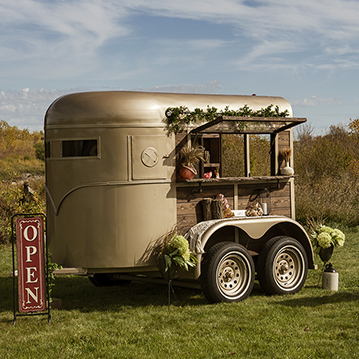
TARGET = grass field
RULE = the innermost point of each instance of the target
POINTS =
(135, 321)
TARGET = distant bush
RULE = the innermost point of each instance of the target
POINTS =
(328, 175)
(40, 150)
(13, 200)
(233, 155)
(20, 151)
(14, 141)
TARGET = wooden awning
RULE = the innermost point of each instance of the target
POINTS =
(250, 125)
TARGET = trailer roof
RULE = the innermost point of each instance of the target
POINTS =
(112, 108)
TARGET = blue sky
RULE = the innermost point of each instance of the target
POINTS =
(305, 51)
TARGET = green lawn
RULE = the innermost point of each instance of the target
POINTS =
(135, 321)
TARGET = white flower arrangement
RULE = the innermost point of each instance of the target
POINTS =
(325, 237)
(177, 252)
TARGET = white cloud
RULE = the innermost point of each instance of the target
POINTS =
(26, 108)
(315, 101)
(209, 87)
(59, 29)
(94, 20)
(276, 27)
(56, 38)
(268, 51)
(207, 44)
(329, 17)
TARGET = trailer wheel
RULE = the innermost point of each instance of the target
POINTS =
(282, 266)
(107, 280)
(227, 273)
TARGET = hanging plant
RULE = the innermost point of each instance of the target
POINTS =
(178, 118)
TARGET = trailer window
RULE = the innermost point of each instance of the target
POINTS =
(79, 148)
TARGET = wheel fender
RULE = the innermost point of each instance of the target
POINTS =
(255, 227)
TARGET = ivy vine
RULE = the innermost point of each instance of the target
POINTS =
(177, 118)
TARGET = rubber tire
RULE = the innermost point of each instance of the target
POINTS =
(293, 258)
(107, 280)
(234, 260)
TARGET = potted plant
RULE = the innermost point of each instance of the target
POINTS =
(325, 239)
(190, 156)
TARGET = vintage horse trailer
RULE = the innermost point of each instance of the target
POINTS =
(113, 191)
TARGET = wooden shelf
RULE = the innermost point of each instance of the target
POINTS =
(213, 146)
(230, 180)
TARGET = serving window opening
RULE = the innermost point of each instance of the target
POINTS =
(236, 155)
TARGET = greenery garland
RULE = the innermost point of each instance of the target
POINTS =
(177, 118)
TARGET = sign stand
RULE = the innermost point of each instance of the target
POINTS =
(31, 292)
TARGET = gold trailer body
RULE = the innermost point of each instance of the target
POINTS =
(106, 206)
(112, 186)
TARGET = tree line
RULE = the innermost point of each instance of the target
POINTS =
(327, 169)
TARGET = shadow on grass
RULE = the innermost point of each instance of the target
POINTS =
(6, 294)
(316, 301)
(80, 293)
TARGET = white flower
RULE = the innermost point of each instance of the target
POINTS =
(325, 229)
(324, 240)
(340, 242)
(180, 243)
(338, 237)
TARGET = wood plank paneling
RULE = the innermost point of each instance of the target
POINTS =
(284, 139)
(189, 209)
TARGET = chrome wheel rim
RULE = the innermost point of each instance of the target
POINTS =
(288, 268)
(233, 275)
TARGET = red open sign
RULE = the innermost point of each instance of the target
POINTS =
(31, 264)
